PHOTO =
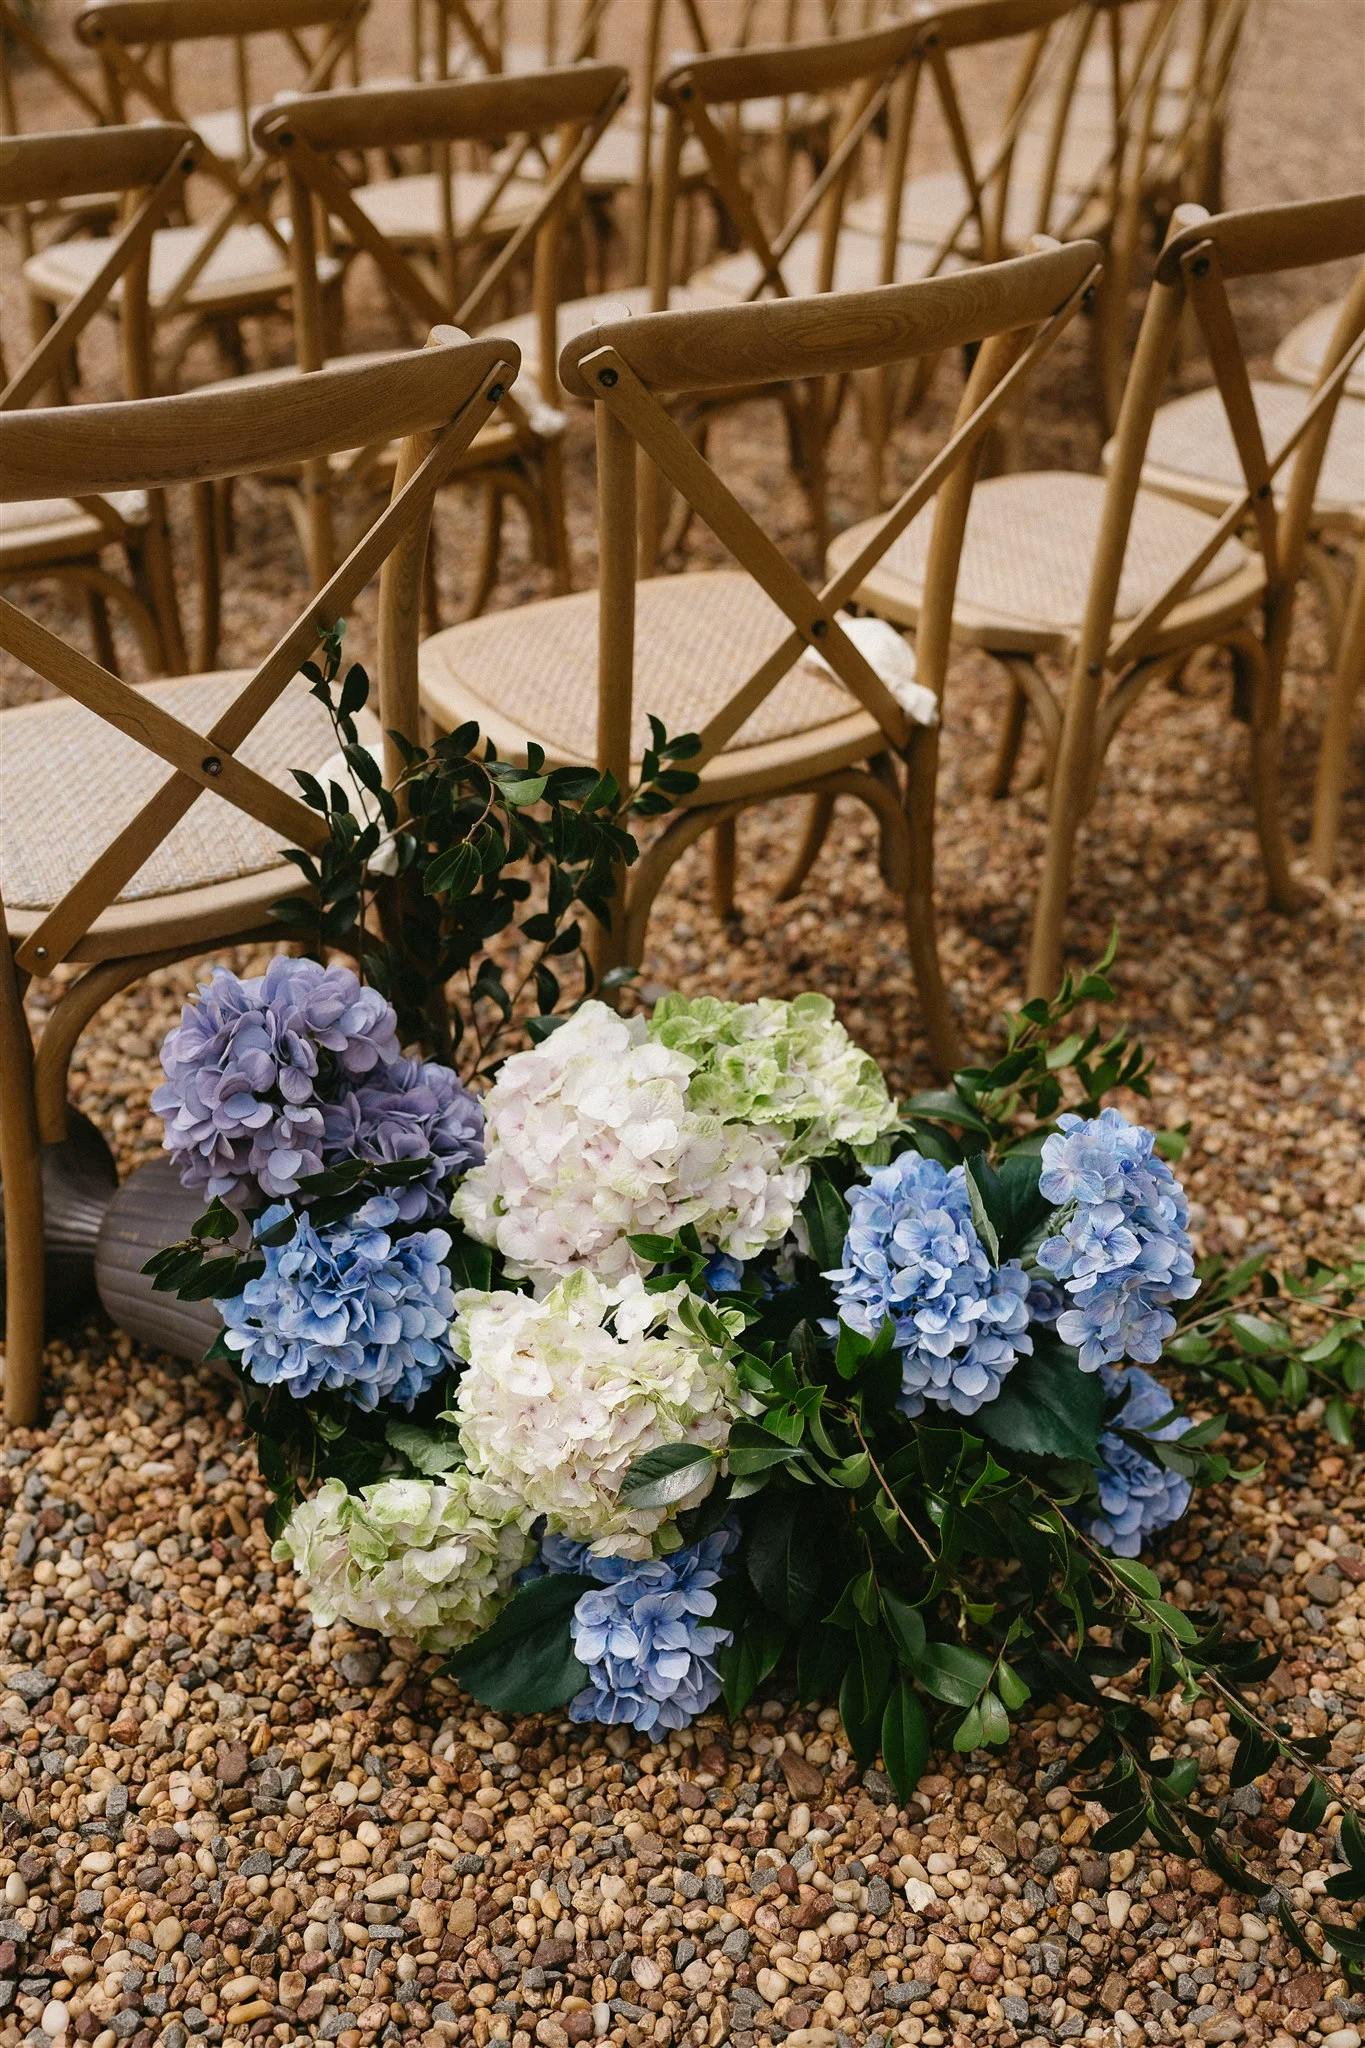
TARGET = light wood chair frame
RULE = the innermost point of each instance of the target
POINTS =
(573, 103)
(135, 42)
(1112, 666)
(434, 401)
(703, 99)
(1016, 311)
(146, 167)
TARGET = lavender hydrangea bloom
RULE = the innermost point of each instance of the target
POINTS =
(349, 1307)
(912, 1253)
(413, 1109)
(645, 1637)
(1137, 1496)
(1121, 1245)
(247, 1064)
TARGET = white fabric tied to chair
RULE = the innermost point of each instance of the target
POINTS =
(893, 658)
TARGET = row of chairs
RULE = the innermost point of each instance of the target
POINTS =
(437, 267)
(166, 838)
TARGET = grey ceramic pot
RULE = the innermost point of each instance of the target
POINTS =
(150, 1211)
(79, 1179)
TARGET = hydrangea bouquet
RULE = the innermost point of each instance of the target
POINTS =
(674, 1358)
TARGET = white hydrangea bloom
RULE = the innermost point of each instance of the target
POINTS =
(786, 1066)
(590, 1139)
(426, 1559)
(561, 1396)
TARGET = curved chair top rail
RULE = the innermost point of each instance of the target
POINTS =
(67, 164)
(764, 69)
(767, 341)
(374, 117)
(1258, 239)
(187, 21)
(989, 21)
(151, 443)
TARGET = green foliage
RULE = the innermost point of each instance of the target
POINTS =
(479, 848)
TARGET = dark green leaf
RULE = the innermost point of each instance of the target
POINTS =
(524, 1663)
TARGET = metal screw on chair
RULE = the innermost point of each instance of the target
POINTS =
(211, 765)
(1094, 670)
(819, 628)
(495, 392)
(607, 377)
(1200, 266)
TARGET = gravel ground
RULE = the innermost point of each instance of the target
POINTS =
(221, 1824)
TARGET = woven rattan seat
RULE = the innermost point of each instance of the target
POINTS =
(1027, 558)
(246, 265)
(615, 160)
(597, 309)
(42, 529)
(408, 209)
(69, 780)
(857, 267)
(532, 673)
(226, 133)
(1191, 452)
(932, 205)
(1299, 356)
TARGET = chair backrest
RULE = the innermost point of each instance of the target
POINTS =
(1141, 93)
(1015, 309)
(1202, 254)
(18, 33)
(874, 79)
(434, 400)
(147, 166)
(137, 42)
(572, 106)
(703, 97)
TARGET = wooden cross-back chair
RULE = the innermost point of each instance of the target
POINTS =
(1120, 585)
(727, 653)
(66, 539)
(561, 112)
(793, 246)
(1032, 164)
(83, 212)
(1201, 450)
(234, 261)
(143, 826)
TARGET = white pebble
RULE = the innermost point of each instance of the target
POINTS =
(1118, 1905)
(56, 2019)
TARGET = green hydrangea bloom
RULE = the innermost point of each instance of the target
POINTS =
(790, 1066)
(431, 1560)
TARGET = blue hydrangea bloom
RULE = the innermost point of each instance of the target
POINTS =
(350, 1307)
(723, 1274)
(646, 1638)
(248, 1066)
(411, 1109)
(1137, 1496)
(912, 1253)
(1120, 1245)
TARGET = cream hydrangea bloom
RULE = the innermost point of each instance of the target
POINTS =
(788, 1067)
(590, 1138)
(561, 1396)
(427, 1559)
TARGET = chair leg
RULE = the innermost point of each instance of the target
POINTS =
(22, 1175)
(1075, 775)
(556, 518)
(208, 575)
(490, 551)
(819, 817)
(723, 864)
(920, 923)
(1347, 680)
(101, 633)
(1011, 737)
(1257, 676)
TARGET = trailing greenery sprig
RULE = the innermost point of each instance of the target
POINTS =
(453, 856)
